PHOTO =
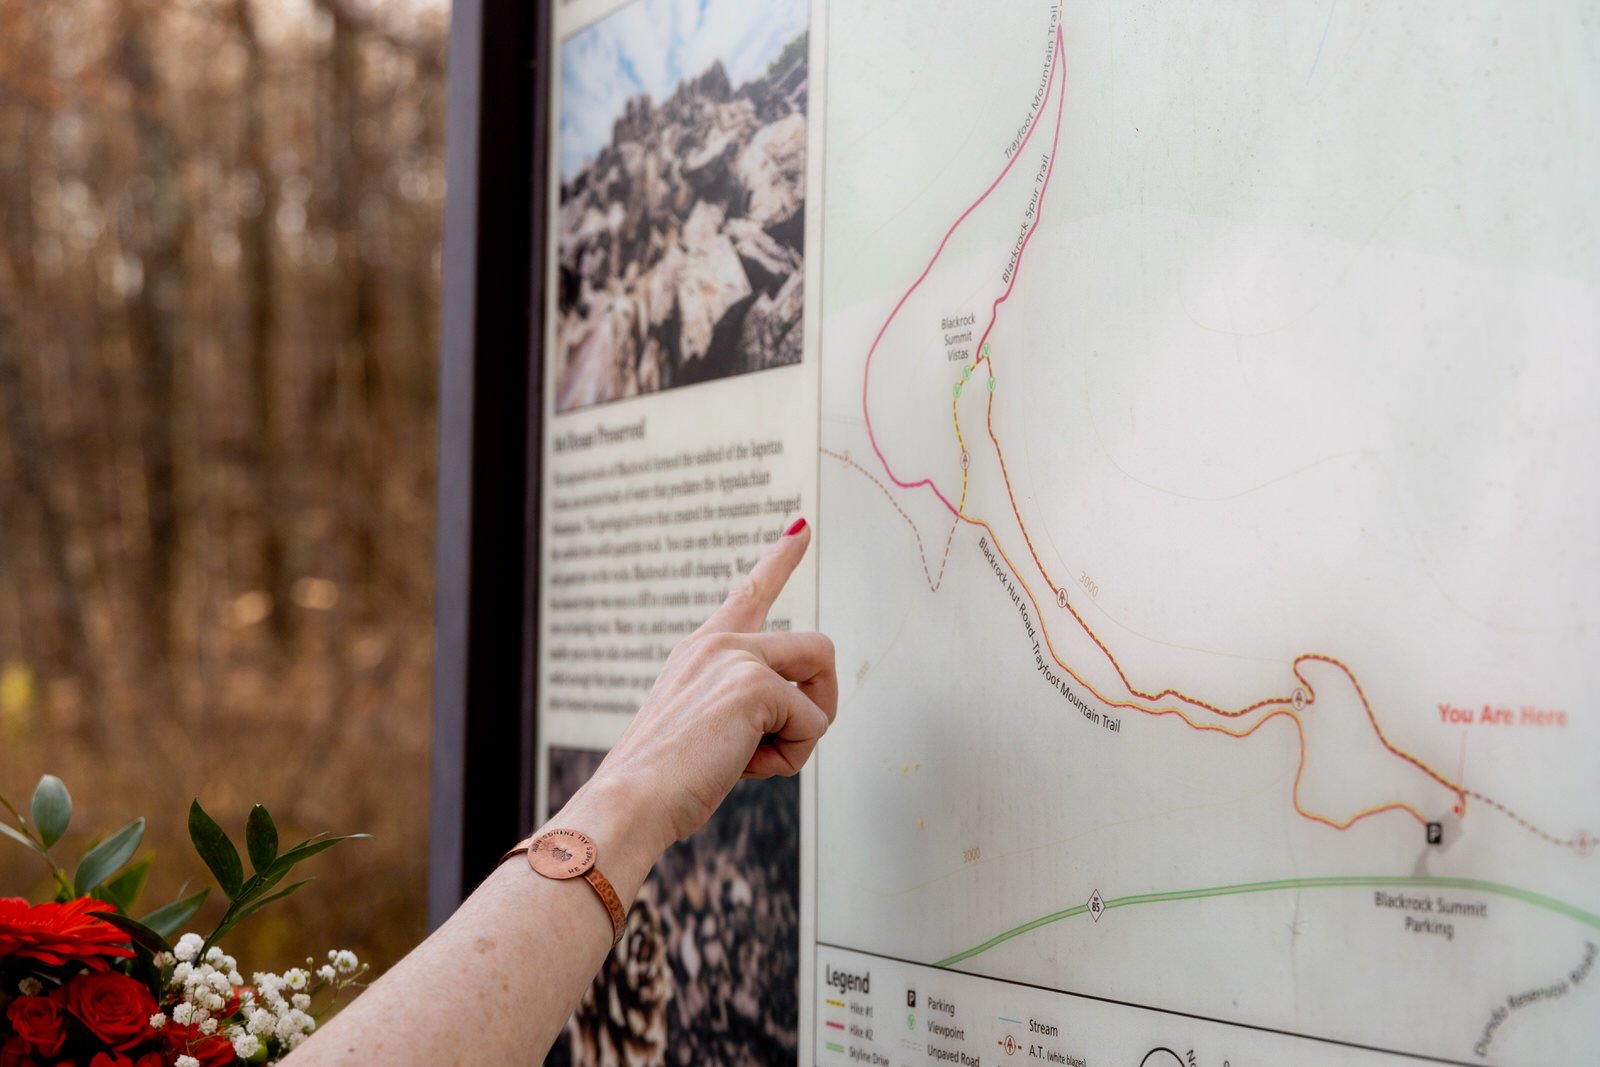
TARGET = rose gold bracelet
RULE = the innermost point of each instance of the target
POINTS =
(563, 854)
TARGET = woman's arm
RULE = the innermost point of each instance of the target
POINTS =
(496, 983)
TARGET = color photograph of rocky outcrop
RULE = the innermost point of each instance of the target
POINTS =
(681, 231)
(708, 968)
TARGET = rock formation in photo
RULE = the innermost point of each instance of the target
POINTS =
(682, 242)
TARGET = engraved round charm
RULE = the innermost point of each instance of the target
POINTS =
(561, 853)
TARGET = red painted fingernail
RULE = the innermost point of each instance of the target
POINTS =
(799, 524)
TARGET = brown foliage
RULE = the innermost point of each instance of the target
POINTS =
(219, 257)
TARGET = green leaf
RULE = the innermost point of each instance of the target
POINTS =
(19, 836)
(141, 933)
(106, 858)
(51, 810)
(305, 850)
(243, 913)
(261, 838)
(216, 850)
(169, 919)
(124, 890)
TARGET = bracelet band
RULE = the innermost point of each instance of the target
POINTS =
(563, 854)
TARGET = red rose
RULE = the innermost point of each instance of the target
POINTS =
(14, 1053)
(185, 1039)
(38, 1021)
(114, 1007)
(117, 1059)
(54, 934)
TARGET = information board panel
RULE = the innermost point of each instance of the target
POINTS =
(680, 440)
(1197, 407)
(1209, 418)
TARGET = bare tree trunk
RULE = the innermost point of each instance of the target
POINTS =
(153, 317)
(16, 210)
(261, 333)
(25, 442)
(359, 371)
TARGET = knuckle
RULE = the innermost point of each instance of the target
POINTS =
(745, 591)
(753, 674)
(719, 642)
(692, 653)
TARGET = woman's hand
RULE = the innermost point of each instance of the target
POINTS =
(731, 702)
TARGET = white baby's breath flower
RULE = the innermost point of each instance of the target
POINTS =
(181, 973)
(301, 1001)
(345, 961)
(182, 1013)
(246, 1045)
(30, 987)
(157, 1021)
(208, 1027)
(234, 977)
(186, 1061)
(165, 959)
(213, 955)
(326, 972)
(260, 1022)
(292, 1024)
(269, 988)
(188, 947)
(219, 982)
(214, 1002)
(295, 978)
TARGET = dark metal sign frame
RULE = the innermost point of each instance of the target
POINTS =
(491, 332)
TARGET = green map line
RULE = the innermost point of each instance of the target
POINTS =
(1527, 896)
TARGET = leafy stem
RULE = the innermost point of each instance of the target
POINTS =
(26, 837)
(246, 896)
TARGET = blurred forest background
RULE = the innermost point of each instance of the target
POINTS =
(219, 289)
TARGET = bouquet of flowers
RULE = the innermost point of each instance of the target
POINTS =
(84, 984)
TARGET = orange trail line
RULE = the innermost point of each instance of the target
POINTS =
(1154, 697)
(1217, 727)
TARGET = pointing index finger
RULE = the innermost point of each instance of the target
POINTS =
(745, 610)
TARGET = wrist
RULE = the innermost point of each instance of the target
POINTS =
(622, 825)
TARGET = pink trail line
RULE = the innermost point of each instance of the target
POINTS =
(1055, 63)
(1038, 216)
